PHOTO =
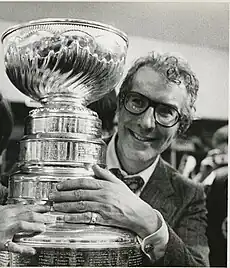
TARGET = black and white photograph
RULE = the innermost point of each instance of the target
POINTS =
(114, 134)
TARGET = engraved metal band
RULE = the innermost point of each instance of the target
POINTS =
(62, 150)
(33, 188)
(64, 124)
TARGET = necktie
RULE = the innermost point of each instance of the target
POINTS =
(135, 182)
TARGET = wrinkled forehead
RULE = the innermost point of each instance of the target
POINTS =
(157, 87)
(147, 75)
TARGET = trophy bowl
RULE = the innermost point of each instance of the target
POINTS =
(71, 59)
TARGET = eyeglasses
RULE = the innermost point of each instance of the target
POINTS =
(164, 114)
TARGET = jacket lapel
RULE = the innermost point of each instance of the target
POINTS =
(159, 192)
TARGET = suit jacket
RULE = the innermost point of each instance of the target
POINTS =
(182, 204)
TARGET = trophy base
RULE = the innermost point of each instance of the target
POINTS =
(90, 245)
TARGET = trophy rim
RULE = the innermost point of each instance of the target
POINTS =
(100, 25)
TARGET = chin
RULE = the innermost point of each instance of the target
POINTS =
(147, 158)
(142, 156)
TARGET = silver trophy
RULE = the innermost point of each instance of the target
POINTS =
(65, 64)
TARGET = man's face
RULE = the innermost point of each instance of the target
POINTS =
(140, 138)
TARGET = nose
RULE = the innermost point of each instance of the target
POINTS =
(147, 120)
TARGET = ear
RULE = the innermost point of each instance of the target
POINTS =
(176, 133)
(117, 110)
(118, 100)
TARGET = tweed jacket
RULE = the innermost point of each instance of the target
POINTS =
(182, 204)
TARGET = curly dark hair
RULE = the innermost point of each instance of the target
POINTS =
(175, 70)
(106, 109)
(6, 122)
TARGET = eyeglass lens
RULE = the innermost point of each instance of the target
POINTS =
(164, 114)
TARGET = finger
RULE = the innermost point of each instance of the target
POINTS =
(80, 183)
(12, 210)
(24, 226)
(36, 208)
(31, 216)
(75, 195)
(81, 206)
(85, 217)
(28, 215)
(39, 208)
(16, 248)
(105, 174)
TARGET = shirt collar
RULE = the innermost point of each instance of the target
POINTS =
(113, 162)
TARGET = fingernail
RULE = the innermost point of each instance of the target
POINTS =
(70, 219)
(32, 251)
(55, 206)
(95, 166)
(50, 218)
(51, 196)
(60, 218)
(58, 186)
(88, 166)
(46, 207)
(42, 228)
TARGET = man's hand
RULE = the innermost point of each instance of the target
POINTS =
(21, 218)
(107, 196)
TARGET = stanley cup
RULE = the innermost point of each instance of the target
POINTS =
(65, 64)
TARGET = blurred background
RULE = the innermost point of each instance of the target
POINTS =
(198, 31)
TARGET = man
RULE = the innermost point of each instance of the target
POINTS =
(167, 213)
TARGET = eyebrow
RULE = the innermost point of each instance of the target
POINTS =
(171, 105)
(157, 102)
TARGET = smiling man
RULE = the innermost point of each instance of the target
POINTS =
(165, 210)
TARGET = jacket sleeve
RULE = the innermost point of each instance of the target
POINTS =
(188, 245)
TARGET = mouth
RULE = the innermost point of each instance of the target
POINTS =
(140, 137)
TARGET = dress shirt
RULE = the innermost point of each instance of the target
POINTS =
(155, 244)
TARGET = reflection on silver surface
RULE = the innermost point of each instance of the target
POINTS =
(64, 59)
(81, 245)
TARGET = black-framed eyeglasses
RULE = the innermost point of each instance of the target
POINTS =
(164, 114)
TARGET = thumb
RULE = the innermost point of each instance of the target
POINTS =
(16, 248)
(104, 174)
